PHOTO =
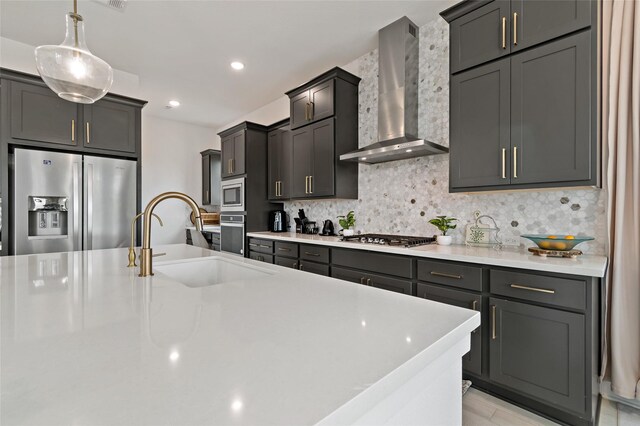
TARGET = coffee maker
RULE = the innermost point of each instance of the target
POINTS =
(278, 221)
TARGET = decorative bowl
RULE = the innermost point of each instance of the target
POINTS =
(557, 241)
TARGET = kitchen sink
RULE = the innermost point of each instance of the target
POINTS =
(210, 271)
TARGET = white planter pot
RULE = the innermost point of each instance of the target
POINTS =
(444, 240)
(348, 232)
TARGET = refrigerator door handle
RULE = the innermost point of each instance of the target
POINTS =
(77, 243)
(89, 224)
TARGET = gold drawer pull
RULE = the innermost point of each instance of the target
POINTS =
(284, 249)
(442, 274)
(539, 290)
(493, 322)
(312, 254)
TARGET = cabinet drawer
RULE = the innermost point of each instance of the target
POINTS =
(261, 257)
(373, 280)
(286, 249)
(215, 238)
(568, 293)
(382, 263)
(448, 273)
(314, 253)
(261, 246)
(472, 360)
(286, 262)
(315, 268)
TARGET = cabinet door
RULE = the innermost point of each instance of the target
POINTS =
(539, 352)
(227, 147)
(315, 268)
(238, 163)
(390, 284)
(286, 262)
(110, 125)
(471, 361)
(321, 101)
(358, 277)
(480, 145)
(301, 157)
(322, 176)
(38, 114)
(551, 112)
(261, 257)
(480, 36)
(274, 163)
(206, 179)
(537, 21)
(299, 105)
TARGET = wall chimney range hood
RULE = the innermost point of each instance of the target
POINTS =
(397, 99)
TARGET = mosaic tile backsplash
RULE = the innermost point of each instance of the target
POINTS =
(400, 197)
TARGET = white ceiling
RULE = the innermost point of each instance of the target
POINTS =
(182, 49)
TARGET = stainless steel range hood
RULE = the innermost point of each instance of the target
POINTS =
(397, 99)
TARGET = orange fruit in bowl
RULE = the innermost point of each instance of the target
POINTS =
(551, 237)
(560, 245)
(569, 237)
(544, 244)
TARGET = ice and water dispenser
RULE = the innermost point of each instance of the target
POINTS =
(47, 217)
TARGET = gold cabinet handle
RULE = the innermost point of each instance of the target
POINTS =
(88, 133)
(515, 162)
(539, 290)
(504, 32)
(515, 28)
(504, 163)
(206, 194)
(369, 281)
(306, 184)
(442, 274)
(311, 105)
(295, 265)
(306, 111)
(73, 130)
(474, 306)
(493, 322)
(301, 265)
(233, 165)
(310, 184)
(362, 280)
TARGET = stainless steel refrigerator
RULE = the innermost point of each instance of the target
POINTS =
(66, 202)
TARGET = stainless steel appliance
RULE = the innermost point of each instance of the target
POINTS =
(327, 228)
(389, 240)
(233, 199)
(278, 221)
(232, 236)
(66, 202)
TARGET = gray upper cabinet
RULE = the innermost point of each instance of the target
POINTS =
(539, 352)
(279, 163)
(324, 125)
(551, 105)
(537, 21)
(480, 36)
(479, 115)
(38, 114)
(526, 117)
(233, 154)
(110, 125)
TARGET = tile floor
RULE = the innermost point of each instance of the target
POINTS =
(481, 409)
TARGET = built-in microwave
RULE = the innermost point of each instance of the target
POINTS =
(233, 195)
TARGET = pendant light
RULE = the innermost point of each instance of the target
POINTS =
(70, 69)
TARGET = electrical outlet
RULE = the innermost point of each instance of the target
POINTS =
(511, 240)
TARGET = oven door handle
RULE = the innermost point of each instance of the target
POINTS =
(235, 225)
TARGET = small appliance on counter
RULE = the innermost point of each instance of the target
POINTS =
(327, 228)
(304, 225)
(278, 221)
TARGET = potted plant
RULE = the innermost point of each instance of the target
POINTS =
(443, 223)
(347, 222)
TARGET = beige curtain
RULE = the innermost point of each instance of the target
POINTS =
(621, 144)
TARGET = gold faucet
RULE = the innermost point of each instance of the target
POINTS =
(146, 254)
(132, 251)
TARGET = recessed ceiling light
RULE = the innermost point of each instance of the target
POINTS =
(173, 104)
(237, 65)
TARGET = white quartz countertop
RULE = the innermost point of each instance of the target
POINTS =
(210, 228)
(585, 265)
(87, 341)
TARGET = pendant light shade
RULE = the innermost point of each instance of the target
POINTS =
(70, 69)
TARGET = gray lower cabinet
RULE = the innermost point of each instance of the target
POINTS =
(472, 361)
(314, 267)
(286, 262)
(261, 257)
(110, 126)
(539, 352)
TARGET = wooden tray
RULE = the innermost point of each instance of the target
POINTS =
(555, 253)
(207, 218)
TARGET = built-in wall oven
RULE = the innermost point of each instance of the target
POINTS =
(233, 195)
(232, 234)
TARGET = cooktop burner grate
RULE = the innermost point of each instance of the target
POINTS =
(389, 240)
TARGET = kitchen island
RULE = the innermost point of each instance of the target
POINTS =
(219, 339)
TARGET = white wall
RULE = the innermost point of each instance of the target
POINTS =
(171, 162)
(170, 149)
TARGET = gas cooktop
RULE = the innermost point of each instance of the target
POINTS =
(389, 240)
